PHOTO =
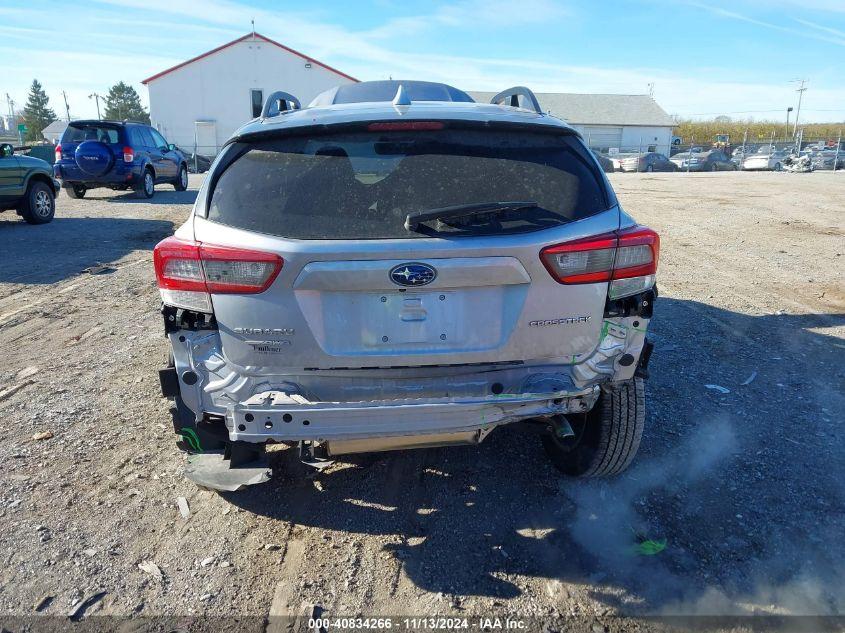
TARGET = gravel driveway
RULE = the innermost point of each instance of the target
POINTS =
(740, 471)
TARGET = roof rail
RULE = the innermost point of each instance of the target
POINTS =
(514, 94)
(281, 102)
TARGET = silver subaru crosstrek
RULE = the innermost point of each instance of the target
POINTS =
(396, 266)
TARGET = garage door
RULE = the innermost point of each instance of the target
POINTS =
(602, 137)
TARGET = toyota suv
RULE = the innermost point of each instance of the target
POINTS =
(397, 266)
(119, 155)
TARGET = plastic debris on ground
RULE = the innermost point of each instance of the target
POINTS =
(750, 379)
(649, 547)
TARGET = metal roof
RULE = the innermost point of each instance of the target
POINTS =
(597, 109)
(385, 90)
(246, 37)
(56, 127)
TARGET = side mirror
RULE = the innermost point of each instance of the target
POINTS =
(6, 149)
(171, 147)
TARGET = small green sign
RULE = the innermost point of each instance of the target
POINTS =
(21, 127)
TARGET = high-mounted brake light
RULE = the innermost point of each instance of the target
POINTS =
(392, 126)
(58, 153)
(627, 254)
(128, 154)
(189, 272)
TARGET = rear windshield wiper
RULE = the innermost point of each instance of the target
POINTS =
(415, 218)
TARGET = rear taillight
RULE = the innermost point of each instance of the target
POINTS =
(128, 154)
(189, 272)
(630, 254)
(58, 153)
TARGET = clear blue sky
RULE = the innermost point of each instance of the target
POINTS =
(705, 57)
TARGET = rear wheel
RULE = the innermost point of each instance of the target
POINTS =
(76, 191)
(40, 204)
(181, 182)
(778, 167)
(147, 188)
(607, 438)
(714, 167)
(649, 168)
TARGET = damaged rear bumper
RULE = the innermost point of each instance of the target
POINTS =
(449, 403)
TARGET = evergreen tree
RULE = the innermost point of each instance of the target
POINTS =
(37, 114)
(122, 102)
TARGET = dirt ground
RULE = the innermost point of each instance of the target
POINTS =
(746, 487)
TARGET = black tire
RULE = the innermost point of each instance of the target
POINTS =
(607, 438)
(778, 167)
(147, 188)
(76, 192)
(181, 182)
(39, 206)
(714, 167)
(649, 168)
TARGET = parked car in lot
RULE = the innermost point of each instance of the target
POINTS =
(323, 293)
(765, 159)
(739, 154)
(197, 163)
(617, 159)
(605, 161)
(119, 155)
(825, 159)
(652, 161)
(712, 160)
(27, 185)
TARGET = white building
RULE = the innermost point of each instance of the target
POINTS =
(200, 102)
(628, 123)
(54, 131)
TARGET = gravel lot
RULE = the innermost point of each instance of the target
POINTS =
(746, 487)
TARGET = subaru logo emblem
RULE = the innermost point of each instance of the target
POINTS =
(413, 274)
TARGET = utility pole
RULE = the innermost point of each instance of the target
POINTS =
(11, 103)
(786, 129)
(838, 145)
(800, 92)
(96, 98)
(67, 107)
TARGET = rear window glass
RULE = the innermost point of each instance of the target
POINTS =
(363, 186)
(92, 132)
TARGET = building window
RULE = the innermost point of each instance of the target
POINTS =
(257, 102)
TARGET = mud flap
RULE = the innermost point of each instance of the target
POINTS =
(195, 437)
(222, 471)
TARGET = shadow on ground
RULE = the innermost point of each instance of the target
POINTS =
(162, 196)
(63, 248)
(745, 487)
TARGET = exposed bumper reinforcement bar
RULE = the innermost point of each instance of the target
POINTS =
(282, 416)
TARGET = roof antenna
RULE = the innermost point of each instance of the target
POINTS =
(252, 21)
(401, 98)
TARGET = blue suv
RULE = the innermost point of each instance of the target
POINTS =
(117, 154)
